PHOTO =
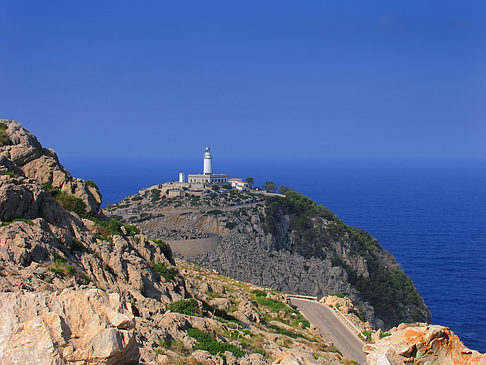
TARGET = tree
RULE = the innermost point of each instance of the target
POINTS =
(269, 186)
(215, 187)
(250, 181)
(284, 189)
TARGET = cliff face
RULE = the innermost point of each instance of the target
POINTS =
(286, 243)
(77, 288)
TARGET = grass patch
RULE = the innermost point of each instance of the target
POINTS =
(209, 343)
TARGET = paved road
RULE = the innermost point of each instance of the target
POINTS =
(332, 328)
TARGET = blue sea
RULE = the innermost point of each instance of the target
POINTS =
(430, 215)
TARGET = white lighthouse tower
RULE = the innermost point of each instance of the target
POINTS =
(208, 164)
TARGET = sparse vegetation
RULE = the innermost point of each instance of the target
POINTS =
(28, 221)
(9, 173)
(91, 183)
(185, 306)
(4, 138)
(165, 272)
(339, 295)
(72, 203)
(164, 248)
(209, 343)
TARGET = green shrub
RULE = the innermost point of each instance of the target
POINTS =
(185, 306)
(155, 195)
(164, 248)
(91, 184)
(214, 212)
(272, 304)
(28, 221)
(132, 230)
(230, 225)
(384, 334)
(72, 203)
(166, 272)
(259, 293)
(4, 138)
(339, 295)
(9, 173)
(208, 343)
(367, 335)
(77, 246)
(113, 227)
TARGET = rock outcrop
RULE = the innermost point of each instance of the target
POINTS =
(27, 158)
(77, 326)
(420, 343)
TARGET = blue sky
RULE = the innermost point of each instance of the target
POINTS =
(307, 79)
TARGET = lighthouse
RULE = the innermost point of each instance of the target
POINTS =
(208, 164)
(207, 178)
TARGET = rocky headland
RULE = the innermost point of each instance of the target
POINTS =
(287, 243)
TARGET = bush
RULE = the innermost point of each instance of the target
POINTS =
(155, 195)
(339, 295)
(91, 183)
(259, 293)
(367, 335)
(230, 225)
(185, 306)
(113, 227)
(285, 332)
(72, 203)
(164, 248)
(77, 246)
(214, 212)
(9, 173)
(164, 271)
(208, 343)
(272, 304)
(4, 138)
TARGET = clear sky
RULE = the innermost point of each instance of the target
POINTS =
(323, 79)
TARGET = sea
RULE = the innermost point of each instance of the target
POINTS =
(431, 215)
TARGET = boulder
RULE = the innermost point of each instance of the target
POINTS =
(89, 326)
(421, 344)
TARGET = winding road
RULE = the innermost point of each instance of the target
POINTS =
(332, 328)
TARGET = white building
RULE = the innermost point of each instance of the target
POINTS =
(238, 184)
(207, 177)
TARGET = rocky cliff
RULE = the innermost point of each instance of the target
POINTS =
(286, 243)
(76, 287)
